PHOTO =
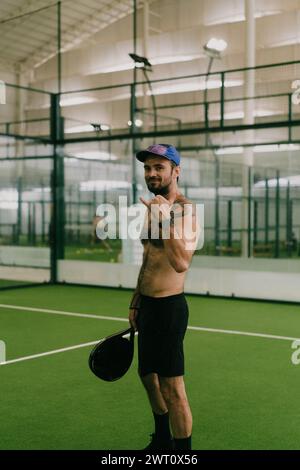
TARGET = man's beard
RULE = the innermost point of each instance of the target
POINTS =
(161, 190)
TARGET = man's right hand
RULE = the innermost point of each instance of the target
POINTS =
(133, 313)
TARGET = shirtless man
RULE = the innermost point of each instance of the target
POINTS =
(158, 308)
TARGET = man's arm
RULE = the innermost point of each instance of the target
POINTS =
(181, 243)
(136, 298)
(182, 234)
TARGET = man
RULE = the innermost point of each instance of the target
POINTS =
(158, 308)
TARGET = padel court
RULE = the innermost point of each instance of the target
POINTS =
(242, 385)
(106, 106)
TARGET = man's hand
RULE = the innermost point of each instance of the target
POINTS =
(160, 205)
(133, 313)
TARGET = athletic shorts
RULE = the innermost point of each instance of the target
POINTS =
(161, 324)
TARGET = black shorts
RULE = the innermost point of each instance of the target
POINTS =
(161, 324)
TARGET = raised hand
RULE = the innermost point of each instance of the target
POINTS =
(161, 205)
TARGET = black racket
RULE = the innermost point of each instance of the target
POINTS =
(111, 357)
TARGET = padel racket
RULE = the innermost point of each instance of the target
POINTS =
(111, 357)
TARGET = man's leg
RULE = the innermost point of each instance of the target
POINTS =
(161, 439)
(152, 386)
(174, 394)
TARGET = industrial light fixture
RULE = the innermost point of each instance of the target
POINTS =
(100, 127)
(141, 62)
(214, 47)
(137, 122)
(145, 65)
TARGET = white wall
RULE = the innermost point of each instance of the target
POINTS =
(267, 279)
(24, 274)
(25, 256)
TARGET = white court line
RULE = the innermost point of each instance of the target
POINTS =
(98, 317)
(242, 333)
(60, 312)
(48, 353)
(55, 351)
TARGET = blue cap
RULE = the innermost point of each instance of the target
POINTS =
(161, 150)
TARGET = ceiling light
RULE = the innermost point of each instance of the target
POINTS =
(214, 47)
(193, 85)
(101, 185)
(217, 44)
(138, 123)
(229, 150)
(79, 129)
(95, 154)
(276, 148)
(283, 182)
(77, 100)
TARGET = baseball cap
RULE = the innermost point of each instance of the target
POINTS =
(162, 150)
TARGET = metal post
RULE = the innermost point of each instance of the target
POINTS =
(229, 224)
(7, 130)
(134, 149)
(78, 216)
(133, 108)
(145, 43)
(43, 218)
(267, 213)
(217, 207)
(290, 116)
(222, 98)
(59, 47)
(33, 237)
(291, 245)
(152, 99)
(249, 90)
(19, 214)
(57, 185)
(277, 215)
(29, 229)
(206, 105)
(249, 211)
(68, 205)
(289, 229)
(255, 223)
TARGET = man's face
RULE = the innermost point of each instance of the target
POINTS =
(159, 175)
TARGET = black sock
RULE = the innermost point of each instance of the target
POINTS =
(183, 444)
(162, 428)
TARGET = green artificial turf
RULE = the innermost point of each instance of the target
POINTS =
(9, 282)
(243, 390)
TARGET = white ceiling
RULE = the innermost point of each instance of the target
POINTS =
(31, 38)
(97, 36)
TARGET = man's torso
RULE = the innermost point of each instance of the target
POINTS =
(159, 278)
